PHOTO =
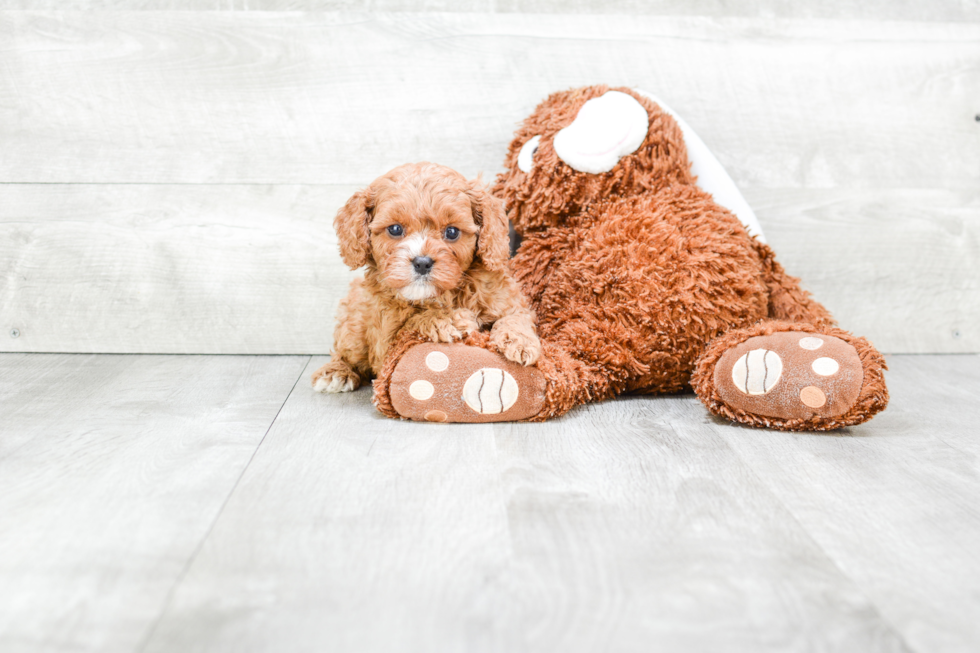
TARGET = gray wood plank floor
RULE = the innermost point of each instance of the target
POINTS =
(214, 503)
(112, 471)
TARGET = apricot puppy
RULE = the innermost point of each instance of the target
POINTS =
(435, 246)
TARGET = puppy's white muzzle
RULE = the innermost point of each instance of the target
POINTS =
(418, 290)
(420, 287)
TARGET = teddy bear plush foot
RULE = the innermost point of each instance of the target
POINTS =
(795, 378)
(460, 383)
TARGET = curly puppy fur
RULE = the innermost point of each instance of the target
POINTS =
(405, 217)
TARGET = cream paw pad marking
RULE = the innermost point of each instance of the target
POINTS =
(438, 382)
(790, 375)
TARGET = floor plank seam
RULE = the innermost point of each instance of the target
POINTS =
(207, 534)
(830, 559)
(495, 435)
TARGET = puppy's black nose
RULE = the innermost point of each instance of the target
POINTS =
(422, 265)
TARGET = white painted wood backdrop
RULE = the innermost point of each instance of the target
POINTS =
(168, 178)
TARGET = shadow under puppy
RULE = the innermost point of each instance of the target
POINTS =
(436, 249)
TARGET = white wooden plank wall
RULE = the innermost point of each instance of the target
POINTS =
(935, 10)
(168, 179)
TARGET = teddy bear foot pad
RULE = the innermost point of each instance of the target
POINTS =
(457, 383)
(790, 375)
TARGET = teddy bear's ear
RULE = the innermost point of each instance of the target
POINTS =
(493, 243)
(351, 224)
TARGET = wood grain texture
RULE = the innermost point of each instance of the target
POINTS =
(112, 470)
(261, 97)
(170, 269)
(900, 267)
(636, 529)
(936, 10)
(352, 533)
(627, 526)
(632, 525)
(255, 269)
(894, 502)
(855, 141)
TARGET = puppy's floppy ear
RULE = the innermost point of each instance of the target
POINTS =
(493, 243)
(351, 224)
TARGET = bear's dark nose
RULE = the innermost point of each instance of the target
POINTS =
(422, 265)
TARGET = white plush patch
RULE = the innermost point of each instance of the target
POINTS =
(606, 129)
(811, 343)
(335, 383)
(525, 158)
(418, 290)
(490, 391)
(711, 175)
(825, 366)
(813, 397)
(757, 372)
(437, 361)
(421, 390)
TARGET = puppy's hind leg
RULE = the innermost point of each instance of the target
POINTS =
(348, 367)
(336, 376)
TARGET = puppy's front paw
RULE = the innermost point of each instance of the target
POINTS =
(518, 345)
(443, 331)
(335, 376)
(435, 328)
(465, 321)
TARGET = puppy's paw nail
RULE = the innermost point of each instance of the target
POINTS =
(517, 348)
(333, 383)
(451, 335)
(465, 324)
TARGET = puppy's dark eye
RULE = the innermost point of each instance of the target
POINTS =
(452, 233)
(396, 231)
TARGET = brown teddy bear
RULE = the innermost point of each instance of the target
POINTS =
(641, 283)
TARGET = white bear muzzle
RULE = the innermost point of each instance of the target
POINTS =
(606, 129)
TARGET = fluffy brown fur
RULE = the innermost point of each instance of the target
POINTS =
(468, 287)
(633, 272)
